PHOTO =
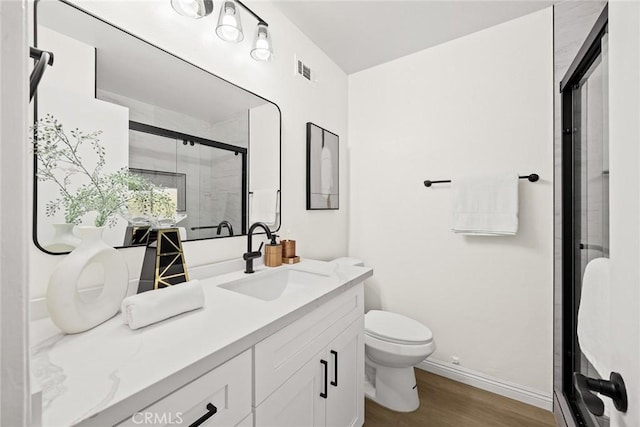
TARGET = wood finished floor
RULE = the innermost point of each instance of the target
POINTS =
(447, 403)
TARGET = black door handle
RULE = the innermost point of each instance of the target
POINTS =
(614, 388)
(326, 368)
(211, 412)
(335, 368)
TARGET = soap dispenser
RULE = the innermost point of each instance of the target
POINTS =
(273, 253)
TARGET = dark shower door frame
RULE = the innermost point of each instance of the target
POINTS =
(570, 352)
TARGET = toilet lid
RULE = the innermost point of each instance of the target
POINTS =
(396, 328)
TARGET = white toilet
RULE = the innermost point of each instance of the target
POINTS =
(394, 344)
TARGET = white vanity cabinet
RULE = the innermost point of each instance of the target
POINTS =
(345, 395)
(311, 372)
(241, 361)
(221, 397)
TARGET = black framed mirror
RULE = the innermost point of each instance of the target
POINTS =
(212, 146)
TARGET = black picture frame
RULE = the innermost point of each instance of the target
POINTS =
(323, 172)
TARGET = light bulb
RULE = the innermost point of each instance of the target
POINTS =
(229, 29)
(190, 7)
(193, 8)
(229, 26)
(262, 49)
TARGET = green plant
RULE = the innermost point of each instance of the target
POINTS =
(108, 194)
(58, 159)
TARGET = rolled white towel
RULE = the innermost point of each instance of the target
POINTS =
(154, 306)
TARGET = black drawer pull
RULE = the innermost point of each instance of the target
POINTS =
(335, 368)
(326, 368)
(212, 411)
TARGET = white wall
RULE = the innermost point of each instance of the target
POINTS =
(475, 105)
(624, 157)
(14, 233)
(326, 104)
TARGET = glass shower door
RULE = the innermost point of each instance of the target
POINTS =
(592, 174)
(587, 208)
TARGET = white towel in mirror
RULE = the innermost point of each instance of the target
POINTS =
(264, 207)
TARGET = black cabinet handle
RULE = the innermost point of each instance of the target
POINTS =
(335, 368)
(211, 412)
(614, 388)
(326, 368)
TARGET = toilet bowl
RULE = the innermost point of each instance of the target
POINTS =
(394, 344)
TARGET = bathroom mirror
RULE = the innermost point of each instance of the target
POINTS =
(212, 145)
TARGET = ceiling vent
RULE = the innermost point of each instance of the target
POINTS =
(304, 70)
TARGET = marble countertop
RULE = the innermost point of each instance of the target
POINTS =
(101, 376)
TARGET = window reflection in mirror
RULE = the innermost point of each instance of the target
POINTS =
(213, 146)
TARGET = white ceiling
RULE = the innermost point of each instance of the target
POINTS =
(361, 34)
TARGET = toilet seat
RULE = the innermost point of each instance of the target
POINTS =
(396, 328)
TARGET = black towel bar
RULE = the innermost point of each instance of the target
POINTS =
(532, 178)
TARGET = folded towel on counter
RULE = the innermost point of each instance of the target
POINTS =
(154, 306)
(486, 205)
(594, 326)
(264, 206)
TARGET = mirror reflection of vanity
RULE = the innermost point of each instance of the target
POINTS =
(213, 146)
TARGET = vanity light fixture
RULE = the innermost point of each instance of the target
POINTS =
(193, 8)
(262, 50)
(229, 27)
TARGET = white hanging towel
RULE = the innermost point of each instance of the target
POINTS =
(486, 205)
(264, 206)
(594, 315)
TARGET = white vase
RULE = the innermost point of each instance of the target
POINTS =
(63, 239)
(70, 312)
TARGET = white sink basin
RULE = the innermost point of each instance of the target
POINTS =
(269, 286)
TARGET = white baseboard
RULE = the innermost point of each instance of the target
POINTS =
(488, 383)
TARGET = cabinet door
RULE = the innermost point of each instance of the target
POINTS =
(282, 354)
(222, 396)
(345, 402)
(297, 403)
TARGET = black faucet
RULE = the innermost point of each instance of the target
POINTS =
(224, 224)
(249, 256)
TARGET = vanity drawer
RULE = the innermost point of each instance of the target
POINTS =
(227, 388)
(282, 354)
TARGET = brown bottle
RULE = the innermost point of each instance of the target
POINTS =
(273, 253)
